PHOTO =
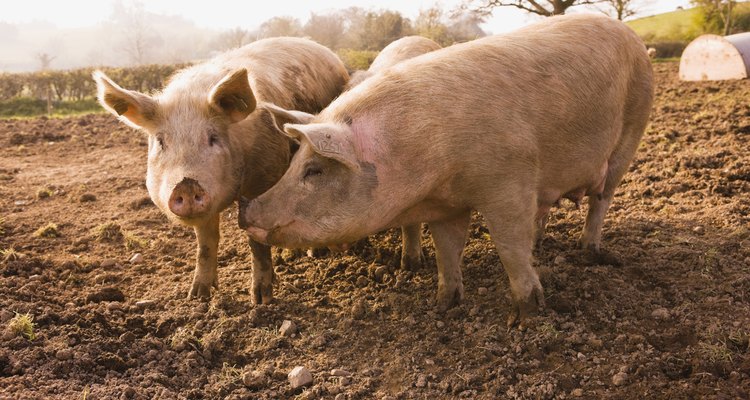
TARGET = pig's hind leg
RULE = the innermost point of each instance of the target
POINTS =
(601, 198)
(412, 257)
(262, 286)
(206, 276)
(450, 236)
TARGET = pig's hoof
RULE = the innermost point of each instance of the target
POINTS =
(202, 290)
(262, 293)
(411, 262)
(447, 299)
(526, 308)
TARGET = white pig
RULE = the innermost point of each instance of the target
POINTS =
(212, 138)
(504, 125)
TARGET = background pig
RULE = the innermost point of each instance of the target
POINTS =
(212, 138)
(505, 125)
(397, 51)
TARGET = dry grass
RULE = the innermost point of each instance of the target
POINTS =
(22, 324)
(109, 232)
(48, 231)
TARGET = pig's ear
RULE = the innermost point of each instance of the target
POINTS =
(328, 140)
(282, 117)
(133, 108)
(232, 96)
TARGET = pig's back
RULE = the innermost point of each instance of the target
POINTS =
(293, 73)
(553, 93)
(402, 49)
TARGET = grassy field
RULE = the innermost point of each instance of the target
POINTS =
(680, 25)
(24, 107)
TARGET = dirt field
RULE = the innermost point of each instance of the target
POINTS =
(671, 322)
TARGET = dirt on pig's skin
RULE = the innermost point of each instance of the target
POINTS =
(671, 322)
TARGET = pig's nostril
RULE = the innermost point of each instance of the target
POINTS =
(198, 198)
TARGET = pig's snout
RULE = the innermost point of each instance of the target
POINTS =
(248, 223)
(188, 199)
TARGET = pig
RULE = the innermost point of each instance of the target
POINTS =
(212, 138)
(397, 51)
(504, 125)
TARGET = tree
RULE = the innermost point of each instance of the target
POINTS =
(327, 30)
(233, 38)
(45, 60)
(716, 15)
(546, 8)
(380, 29)
(447, 29)
(138, 36)
(280, 26)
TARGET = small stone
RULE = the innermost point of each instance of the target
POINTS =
(64, 354)
(108, 263)
(577, 392)
(142, 304)
(137, 258)
(254, 379)
(660, 313)
(619, 378)
(127, 337)
(345, 381)
(482, 291)
(559, 260)
(299, 377)
(340, 372)
(362, 281)
(699, 230)
(421, 381)
(36, 277)
(114, 306)
(440, 324)
(288, 328)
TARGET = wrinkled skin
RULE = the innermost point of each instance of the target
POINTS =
(504, 125)
(212, 138)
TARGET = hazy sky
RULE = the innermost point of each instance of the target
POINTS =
(224, 14)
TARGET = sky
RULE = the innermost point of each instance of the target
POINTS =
(225, 14)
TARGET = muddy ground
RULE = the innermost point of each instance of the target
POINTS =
(671, 322)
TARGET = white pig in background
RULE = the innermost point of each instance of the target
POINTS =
(397, 51)
(212, 138)
(505, 125)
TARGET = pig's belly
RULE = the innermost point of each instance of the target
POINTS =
(588, 185)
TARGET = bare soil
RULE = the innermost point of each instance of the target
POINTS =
(671, 322)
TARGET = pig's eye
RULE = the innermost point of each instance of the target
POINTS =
(312, 170)
(213, 140)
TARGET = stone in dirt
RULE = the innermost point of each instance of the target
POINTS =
(136, 259)
(340, 372)
(254, 379)
(288, 328)
(620, 378)
(660, 313)
(108, 263)
(299, 377)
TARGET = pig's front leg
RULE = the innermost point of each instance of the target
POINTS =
(206, 275)
(412, 257)
(511, 226)
(450, 237)
(261, 290)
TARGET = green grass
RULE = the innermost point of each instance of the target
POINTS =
(680, 25)
(28, 107)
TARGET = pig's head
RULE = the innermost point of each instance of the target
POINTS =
(194, 166)
(326, 196)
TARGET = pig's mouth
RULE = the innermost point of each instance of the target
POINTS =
(274, 236)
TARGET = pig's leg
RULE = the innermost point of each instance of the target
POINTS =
(206, 275)
(261, 290)
(411, 248)
(599, 203)
(512, 228)
(450, 237)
